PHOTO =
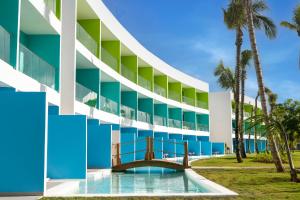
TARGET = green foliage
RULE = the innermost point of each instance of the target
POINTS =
(295, 24)
(225, 76)
(267, 158)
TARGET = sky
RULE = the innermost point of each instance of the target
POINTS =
(191, 36)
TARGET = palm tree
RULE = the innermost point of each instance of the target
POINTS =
(255, 128)
(271, 32)
(246, 57)
(295, 24)
(226, 80)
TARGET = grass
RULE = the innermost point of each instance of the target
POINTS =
(230, 161)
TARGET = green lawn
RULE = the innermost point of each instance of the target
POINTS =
(230, 161)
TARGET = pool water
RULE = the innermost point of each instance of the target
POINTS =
(142, 181)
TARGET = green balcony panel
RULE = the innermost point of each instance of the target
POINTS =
(175, 114)
(175, 91)
(9, 20)
(90, 78)
(54, 6)
(202, 100)
(145, 77)
(46, 47)
(88, 33)
(130, 99)
(111, 54)
(4, 45)
(129, 67)
(189, 96)
(203, 122)
(146, 105)
(161, 85)
(111, 93)
(86, 95)
(35, 67)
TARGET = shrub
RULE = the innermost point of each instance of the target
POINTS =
(267, 158)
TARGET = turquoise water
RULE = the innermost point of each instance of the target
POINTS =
(143, 181)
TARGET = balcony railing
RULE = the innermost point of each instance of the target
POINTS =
(202, 127)
(4, 44)
(188, 125)
(174, 123)
(188, 100)
(108, 105)
(247, 115)
(144, 82)
(109, 59)
(35, 67)
(128, 73)
(127, 112)
(144, 117)
(158, 120)
(202, 104)
(174, 95)
(86, 96)
(51, 4)
(84, 37)
(160, 90)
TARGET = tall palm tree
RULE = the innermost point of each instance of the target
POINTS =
(255, 127)
(246, 57)
(295, 24)
(226, 80)
(251, 22)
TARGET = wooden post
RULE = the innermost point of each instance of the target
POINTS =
(149, 149)
(116, 158)
(186, 155)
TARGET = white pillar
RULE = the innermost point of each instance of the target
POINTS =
(68, 57)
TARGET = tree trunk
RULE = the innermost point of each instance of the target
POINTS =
(293, 171)
(255, 129)
(249, 133)
(238, 43)
(273, 146)
(241, 123)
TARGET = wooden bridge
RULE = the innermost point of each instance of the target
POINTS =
(149, 159)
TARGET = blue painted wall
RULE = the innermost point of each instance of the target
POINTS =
(203, 138)
(9, 20)
(203, 119)
(158, 145)
(112, 90)
(146, 105)
(53, 110)
(189, 117)
(218, 148)
(67, 150)
(145, 133)
(161, 110)
(176, 136)
(99, 145)
(190, 137)
(161, 135)
(176, 113)
(22, 142)
(128, 136)
(206, 148)
(180, 148)
(194, 147)
(170, 147)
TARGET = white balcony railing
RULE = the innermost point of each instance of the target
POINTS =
(144, 82)
(174, 123)
(127, 112)
(108, 105)
(86, 96)
(144, 117)
(4, 44)
(84, 37)
(188, 125)
(160, 90)
(159, 120)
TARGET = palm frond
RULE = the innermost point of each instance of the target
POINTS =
(225, 76)
(263, 22)
(246, 58)
(296, 18)
(259, 6)
(288, 25)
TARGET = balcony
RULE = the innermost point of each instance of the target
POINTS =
(109, 59)
(108, 105)
(174, 123)
(86, 96)
(188, 125)
(144, 117)
(84, 37)
(51, 4)
(174, 95)
(188, 100)
(144, 82)
(247, 115)
(202, 127)
(4, 45)
(160, 90)
(35, 67)
(161, 121)
(202, 104)
(127, 112)
(127, 73)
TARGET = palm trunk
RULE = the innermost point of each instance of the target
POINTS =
(293, 171)
(273, 146)
(249, 132)
(241, 123)
(255, 129)
(238, 43)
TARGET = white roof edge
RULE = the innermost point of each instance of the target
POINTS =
(131, 43)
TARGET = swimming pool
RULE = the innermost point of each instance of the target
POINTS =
(148, 181)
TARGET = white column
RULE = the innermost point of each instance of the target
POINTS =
(68, 57)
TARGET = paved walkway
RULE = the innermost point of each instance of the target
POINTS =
(214, 167)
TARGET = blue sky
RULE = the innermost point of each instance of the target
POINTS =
(191, 36)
